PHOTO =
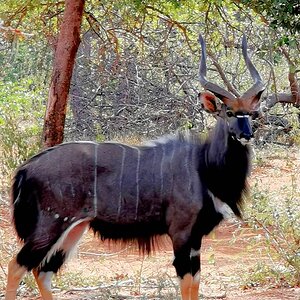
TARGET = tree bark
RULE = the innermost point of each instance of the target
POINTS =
(64, 60)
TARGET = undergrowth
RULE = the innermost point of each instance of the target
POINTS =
(21, 119)
(99, 286)
(274, 212)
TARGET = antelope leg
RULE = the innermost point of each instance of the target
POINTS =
(195, 264)
(43, 280)
(195, 287)
(15, 275)
(185, 286)
(44, 273)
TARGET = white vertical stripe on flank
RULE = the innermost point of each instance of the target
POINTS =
(173, 152)
(121, 179)
(95, 179)
(161, 173)
(137, 182)
(187, 162)
(172, 166)
(153, 173)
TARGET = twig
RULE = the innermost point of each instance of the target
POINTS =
(103, 254)
(128, 282)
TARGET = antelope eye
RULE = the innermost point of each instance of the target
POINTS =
(229, 113)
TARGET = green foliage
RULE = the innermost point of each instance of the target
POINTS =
(280, 13)
(270, 275)
(31, 17)
(279, 221)
(295, 131)
(21, 119)
(25, 58)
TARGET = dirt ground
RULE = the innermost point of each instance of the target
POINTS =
(226, 255)
(123, 274)
(102, 271)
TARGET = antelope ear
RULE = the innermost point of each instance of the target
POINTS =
(208, 102)
(255, 101)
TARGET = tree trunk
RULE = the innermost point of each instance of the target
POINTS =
(66, 49)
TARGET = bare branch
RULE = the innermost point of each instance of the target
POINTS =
(273, 99)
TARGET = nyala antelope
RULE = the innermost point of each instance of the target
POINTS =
(177, 185)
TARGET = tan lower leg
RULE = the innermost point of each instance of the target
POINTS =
(195, 287)
(185, 286)
(43, 280)
(14, 276)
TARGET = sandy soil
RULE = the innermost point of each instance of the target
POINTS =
(121, 273)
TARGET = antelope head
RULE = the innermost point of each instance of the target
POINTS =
(235, 110)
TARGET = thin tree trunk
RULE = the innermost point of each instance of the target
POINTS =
(66, 49)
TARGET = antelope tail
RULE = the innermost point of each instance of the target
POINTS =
(25, 205)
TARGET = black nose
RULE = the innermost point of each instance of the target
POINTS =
(246, 135)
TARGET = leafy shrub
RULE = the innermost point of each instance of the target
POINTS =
(21, 119)
(279, 221)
